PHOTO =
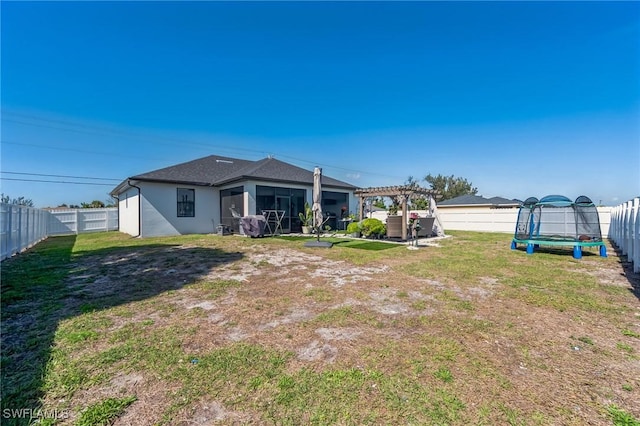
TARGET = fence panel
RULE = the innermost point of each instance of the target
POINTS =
(625, 230)
(78, 221)
(20, 228)
(23, 227)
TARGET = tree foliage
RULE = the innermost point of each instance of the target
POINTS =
(450, 186)
(20, 201)
(95, 204)
(420, 203)
(378, 202)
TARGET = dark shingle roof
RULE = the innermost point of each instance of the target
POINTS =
(501, 200)
(215, 170)
(468, 200)
(276, 170)
(203, 171)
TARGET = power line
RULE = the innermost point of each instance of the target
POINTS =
(57, 181)
(174, 142)
(88, 129)
(83, 151)
(60, 176)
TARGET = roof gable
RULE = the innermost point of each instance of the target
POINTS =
(203, 171)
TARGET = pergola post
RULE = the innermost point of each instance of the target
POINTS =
(361, 209)
(404, 218)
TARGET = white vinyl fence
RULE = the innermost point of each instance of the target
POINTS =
(22, 227)
(625, 230)
(78, 221)
(487, 220)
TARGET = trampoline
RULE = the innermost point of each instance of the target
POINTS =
(555, 220)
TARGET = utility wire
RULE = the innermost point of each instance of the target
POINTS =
(83, 151)
(60, 176)
(155, 139)
(150, 139)
(299, 160)
(57, 181)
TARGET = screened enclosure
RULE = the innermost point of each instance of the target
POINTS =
(555, 220)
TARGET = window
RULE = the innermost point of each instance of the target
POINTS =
(186, 202)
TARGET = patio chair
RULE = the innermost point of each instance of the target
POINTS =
(236, 219)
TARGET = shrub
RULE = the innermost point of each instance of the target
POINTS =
(373, 227)
(353, 228)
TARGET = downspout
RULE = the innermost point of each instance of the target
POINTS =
(139, 208)
(117, 197)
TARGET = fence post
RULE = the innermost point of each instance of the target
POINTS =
(636, 235)
(632, 224)
(625, 237)
(616, 229)
(19, 246)
(613, 228)
(9, 248)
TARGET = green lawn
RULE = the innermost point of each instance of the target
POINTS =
(103, 328)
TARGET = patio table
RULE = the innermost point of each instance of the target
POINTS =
(274, 221)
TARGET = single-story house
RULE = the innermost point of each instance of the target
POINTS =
(197, 196)
(477, 213)
(478, 202)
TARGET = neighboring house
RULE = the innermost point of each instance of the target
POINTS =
(476, 213)
(479, 202)
(197, 196)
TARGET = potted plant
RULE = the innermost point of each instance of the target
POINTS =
(306, 218)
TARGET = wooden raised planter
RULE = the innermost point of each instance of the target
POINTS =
(394, 226)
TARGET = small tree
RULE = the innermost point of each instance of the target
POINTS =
(450, 186)
(416, 203)
(20, 201)
(95, 204)
(419, 204)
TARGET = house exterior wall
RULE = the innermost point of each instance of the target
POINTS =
(159, 210)
(128, 210)
(158, 203)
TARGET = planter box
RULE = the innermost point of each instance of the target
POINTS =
(394, 227)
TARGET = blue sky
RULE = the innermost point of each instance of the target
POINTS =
(522, 99)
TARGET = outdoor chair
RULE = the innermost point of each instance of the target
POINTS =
(236, 218)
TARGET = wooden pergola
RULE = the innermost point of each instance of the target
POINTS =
(403, 192)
